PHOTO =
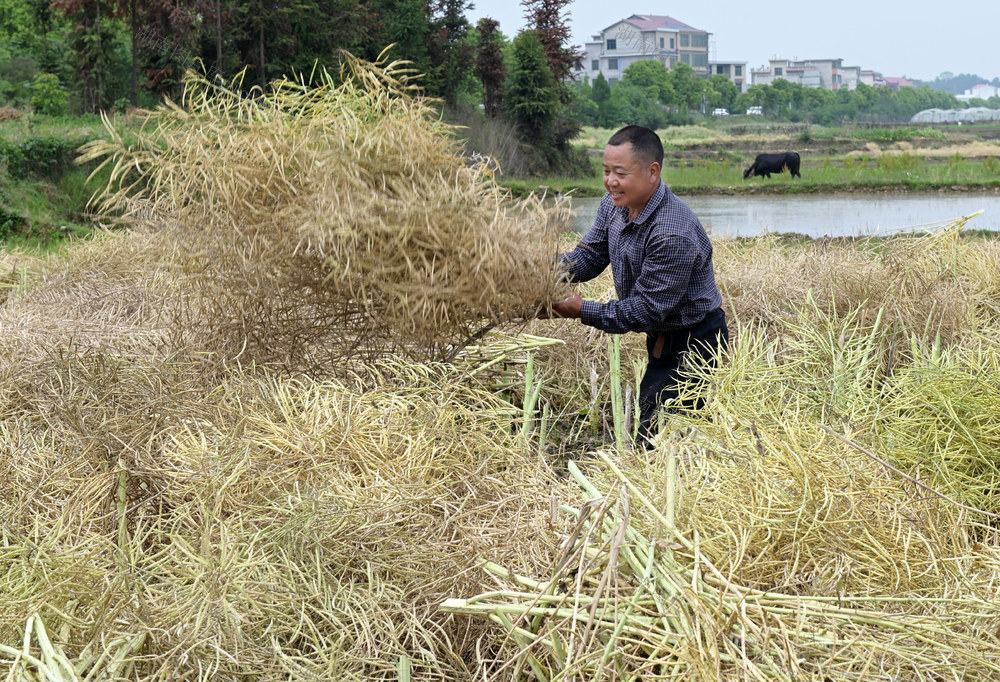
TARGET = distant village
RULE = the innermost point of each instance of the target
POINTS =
(669, 41)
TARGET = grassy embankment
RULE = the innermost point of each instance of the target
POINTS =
(711, 160)
(43, 194)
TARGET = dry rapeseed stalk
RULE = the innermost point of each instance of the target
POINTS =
(337, 213)
(300, 530)
(632, 596)
(937, 284)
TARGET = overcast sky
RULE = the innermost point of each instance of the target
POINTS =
(917, 39)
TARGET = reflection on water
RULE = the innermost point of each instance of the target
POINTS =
(833, 215)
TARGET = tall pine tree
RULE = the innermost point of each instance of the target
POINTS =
(530, 96)
(489, 67)
(450, 48)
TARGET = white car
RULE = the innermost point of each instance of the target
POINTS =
(755, 111)
(720, 112)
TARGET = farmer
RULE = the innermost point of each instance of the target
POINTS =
(661, 260)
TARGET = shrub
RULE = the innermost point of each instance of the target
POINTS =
(43, 155)
(48, 96)
(852, 162)
(10, 222)
(904, 161)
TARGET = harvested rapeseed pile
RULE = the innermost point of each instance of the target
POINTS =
(175, 508)
(337, 213)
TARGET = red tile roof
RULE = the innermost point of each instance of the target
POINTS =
(895, 82)
(649, 22)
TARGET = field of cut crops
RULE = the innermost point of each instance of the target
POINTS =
(298, 422)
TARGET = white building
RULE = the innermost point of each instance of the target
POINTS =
(828, 74)
(981, 91)
(644, 36)
(734, 71)
(872, 78)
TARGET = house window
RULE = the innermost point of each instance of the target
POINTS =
(685, 40)
(720, 69)
(595, 65)
(686, 58)
(777, 71)
(671, 43)
(612, 44)
(613, 64)
(699, 40)
(699, 60)
(661, 43)
(738, 70)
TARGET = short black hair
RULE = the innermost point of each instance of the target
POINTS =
(645, 143)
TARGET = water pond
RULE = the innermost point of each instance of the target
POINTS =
(834, 215)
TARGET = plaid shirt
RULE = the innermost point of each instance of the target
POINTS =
(661, 263)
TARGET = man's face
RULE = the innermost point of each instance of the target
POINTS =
(628, 179)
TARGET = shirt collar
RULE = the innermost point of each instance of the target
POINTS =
(655, 199)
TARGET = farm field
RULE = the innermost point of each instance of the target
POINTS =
(703, 160)
(43, 196)
(296, 420)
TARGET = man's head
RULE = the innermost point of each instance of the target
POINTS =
(632, 162)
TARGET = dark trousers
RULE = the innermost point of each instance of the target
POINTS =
(665, 373)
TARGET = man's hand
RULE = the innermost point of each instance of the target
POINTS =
(568, 307)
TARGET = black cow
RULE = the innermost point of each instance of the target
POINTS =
(765, 164)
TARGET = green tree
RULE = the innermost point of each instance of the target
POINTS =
(164, 36)
(489, 66)
(721, 92)
(866, 95)
(36, 40)
(16, 26)
(792, 94)
(607, 114)
(817, 98)
(406, 25)
(450, 48)
(687, 86)
(601, 91)
(97, 34)
(776, 99)
(530, 95)
(649, 73)
(48, 96)
(631, 104)
(583, 108)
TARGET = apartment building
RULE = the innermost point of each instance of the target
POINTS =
(872, 78)
(644, 36)
(734, 71)
(829, 74)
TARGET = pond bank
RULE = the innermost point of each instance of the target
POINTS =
(840, 214)
(577, 188)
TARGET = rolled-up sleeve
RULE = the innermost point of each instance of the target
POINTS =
(661, 285)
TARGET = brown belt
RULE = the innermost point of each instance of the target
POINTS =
(661, 338)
